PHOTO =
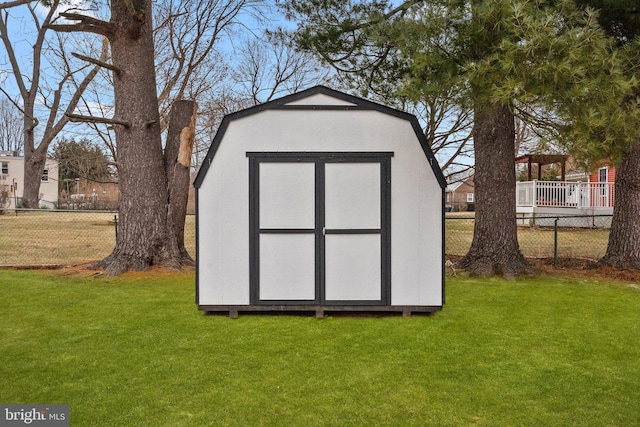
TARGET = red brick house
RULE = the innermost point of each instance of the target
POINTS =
(460, 196)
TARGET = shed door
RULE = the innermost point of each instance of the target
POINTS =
(320, 228)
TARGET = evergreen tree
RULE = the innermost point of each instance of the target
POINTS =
(500, 55)
(81, 159)
(621, 21)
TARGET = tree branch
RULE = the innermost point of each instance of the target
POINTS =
(78, 118)
(15, 104)
(86, 24)
(8, 4)
(15, 67)
(37, 53)
(98, 62)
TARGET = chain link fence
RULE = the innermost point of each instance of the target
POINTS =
(42, 237)
(69, 237)
(582, 237)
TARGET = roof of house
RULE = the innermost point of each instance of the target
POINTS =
(349, 103)
(542, 159)
(453, 187)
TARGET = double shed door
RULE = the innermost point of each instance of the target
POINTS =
(320, 228)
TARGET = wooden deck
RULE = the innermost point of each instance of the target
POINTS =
(541, 201)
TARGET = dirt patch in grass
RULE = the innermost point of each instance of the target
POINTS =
(587, 269)
(84, 270)
(104, 223)
(570, 267)
(577, 268)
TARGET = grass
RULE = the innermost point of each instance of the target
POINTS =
(134, 351)
(63, 238)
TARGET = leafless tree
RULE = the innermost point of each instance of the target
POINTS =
(447, 128)
(211, 112)
(190, 62)
(188, 35)
(35, 92)
(269, 67)
(10, 127)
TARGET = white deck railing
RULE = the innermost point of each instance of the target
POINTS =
(565, 194)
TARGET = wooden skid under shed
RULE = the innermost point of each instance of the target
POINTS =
(320, 310)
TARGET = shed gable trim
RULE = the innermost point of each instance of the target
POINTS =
(321, 99)
(358, 104)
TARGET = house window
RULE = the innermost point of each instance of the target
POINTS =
(602, 179)
(45, 175)
(469, 197)
(5, 168)
(602, 174)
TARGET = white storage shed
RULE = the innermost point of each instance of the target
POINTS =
(320, 201)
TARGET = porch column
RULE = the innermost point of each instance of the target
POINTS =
(535, 192)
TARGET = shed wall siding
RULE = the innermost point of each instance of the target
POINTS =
(416, 239)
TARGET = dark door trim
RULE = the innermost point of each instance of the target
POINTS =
(320, 159)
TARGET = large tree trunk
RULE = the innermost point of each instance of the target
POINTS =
(177, 155)
(141, 174)
(623, 250)
(153, 186)
(494, 249)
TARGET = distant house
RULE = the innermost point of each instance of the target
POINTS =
(603, 174)
(83, 193)
(12, 181)
(460, 196)
(577, 193)
(87, 194)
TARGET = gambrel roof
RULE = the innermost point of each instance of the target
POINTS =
(316, 99)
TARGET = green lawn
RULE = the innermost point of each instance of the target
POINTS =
(42, 237)
(134, 351)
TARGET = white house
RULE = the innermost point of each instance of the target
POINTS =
(320, 201)
(12, 181)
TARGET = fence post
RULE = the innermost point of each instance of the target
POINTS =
(555, 242)
(115, 221)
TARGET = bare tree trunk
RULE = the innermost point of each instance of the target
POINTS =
(623, 250)
(494, 249)
(177, 154)
(141, 173)
(33, 169)
(34, 160)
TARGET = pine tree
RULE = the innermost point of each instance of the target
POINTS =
(500, 55)
(621, 20)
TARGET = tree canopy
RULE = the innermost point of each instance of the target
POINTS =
(81, 159)
(500, 58)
